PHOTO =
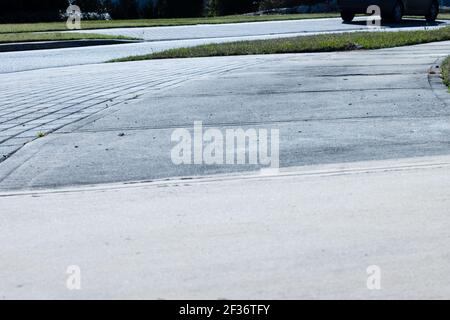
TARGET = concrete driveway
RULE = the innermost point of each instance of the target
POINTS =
(329, 108)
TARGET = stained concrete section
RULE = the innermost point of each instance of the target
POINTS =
(329, 108)
(41, 101)
(310, 233)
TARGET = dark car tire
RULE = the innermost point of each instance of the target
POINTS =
(396, 15)
(433, 12)
(347, 16)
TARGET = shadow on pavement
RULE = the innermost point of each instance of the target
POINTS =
(406, 23)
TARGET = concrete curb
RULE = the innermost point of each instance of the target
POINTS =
(27, 46)
(321, 170)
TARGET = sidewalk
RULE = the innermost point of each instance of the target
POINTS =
(113, 122)
(309, 232)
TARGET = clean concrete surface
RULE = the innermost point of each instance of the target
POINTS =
(306, 233)
(329, 108)
(162, 38)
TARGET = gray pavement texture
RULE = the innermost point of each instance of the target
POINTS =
(45, 100)
(308, 234)
(162, 38)
(329, 108)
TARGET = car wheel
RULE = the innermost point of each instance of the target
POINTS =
(433, 12)
(347, 16)
(397, 13)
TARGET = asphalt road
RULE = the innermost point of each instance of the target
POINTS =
(329, 108)
(162, 38)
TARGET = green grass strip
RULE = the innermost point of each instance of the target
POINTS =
(316, 43)
(446, 71)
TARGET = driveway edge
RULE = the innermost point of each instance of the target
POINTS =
(321, 170)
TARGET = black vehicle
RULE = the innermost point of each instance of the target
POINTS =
(391, 10)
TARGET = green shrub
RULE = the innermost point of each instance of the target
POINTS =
(446, 71)
(180, 8)
(272, 4)
(229, 7)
